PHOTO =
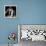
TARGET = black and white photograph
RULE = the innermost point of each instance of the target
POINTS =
(10, 11)
(33, 32)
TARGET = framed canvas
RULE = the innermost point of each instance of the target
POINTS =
(10, 11)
